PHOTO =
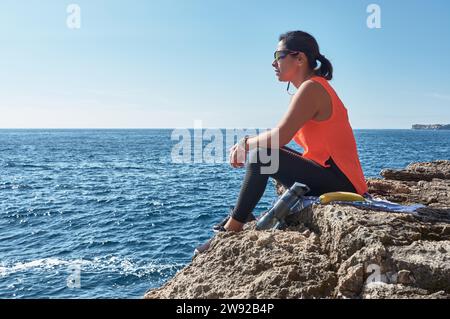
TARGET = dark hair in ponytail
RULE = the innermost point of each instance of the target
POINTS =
(306, 43)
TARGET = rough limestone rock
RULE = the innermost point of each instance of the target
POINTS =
(336, 251)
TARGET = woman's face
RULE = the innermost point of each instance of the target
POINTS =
(287, 65)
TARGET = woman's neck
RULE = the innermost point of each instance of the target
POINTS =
(302, 77)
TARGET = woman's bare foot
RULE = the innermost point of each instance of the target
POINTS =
(233, 225)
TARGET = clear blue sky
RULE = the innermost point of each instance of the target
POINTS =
(168, 63)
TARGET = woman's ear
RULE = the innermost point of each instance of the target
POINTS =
(301, 58)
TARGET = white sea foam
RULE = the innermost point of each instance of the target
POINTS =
(117, 264)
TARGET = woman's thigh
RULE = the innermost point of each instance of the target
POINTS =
(292, 167)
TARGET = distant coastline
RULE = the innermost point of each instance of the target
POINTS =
(431, 127)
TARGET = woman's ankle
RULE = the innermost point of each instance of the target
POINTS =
(233, 225)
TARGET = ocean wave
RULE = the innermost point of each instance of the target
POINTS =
(19, 165)
(15, 186)
(115, 264)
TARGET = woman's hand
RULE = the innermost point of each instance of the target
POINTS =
(238, 155)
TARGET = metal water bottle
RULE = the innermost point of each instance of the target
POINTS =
(282, 207)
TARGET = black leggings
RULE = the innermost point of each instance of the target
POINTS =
(292, 168)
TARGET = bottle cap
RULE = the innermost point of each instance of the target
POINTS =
(299, 189)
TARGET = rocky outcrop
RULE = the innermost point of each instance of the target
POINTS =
(335, 250)
(431, 127)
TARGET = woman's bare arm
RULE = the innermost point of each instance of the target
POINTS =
(305, 105)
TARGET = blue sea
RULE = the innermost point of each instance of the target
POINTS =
(108, 214)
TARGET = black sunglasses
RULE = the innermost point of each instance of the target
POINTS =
(281, 54)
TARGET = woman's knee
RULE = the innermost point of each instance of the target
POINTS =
(259, 156)
(252, 156)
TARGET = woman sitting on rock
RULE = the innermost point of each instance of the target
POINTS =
(316, 119)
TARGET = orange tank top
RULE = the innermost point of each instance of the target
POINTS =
(333, 137)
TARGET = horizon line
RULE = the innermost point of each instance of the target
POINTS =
(163, 128)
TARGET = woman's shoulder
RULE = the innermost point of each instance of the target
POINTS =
(316, 88)
(317, 91)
